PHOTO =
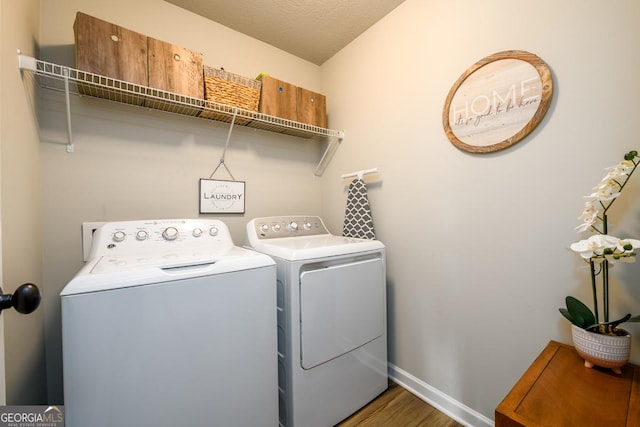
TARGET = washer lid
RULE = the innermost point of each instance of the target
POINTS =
(310, 247)
(116, 272)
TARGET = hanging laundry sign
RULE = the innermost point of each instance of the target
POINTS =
(218, 196)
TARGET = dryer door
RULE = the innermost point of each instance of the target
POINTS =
(342, 307)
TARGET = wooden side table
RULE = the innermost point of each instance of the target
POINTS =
(557, 390)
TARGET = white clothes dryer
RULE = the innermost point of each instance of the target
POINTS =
(170, 324)
(332, 330)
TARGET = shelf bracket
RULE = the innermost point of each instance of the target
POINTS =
(26, 62)
(333, 142)
(70, 147)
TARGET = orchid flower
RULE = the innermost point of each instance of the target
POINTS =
(589, 216)
(625, 167)
(602, 195)
(595, 246)
(608, 185)
(601, 250)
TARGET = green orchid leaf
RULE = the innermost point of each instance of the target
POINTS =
(609, 327)
(580, 313)
(566, 314)
(619, 321)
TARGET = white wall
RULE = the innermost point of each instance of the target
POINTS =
(477, 244)
(132, 163)
(477, 258)
(20, 174)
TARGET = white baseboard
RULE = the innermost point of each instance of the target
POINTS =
(442, 402)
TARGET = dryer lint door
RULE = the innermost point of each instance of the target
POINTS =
(342, 307)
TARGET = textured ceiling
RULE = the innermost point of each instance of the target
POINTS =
(311, 29)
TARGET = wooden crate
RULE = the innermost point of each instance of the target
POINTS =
(175, 69)
(278, 98)
(312, 108)
(110, 50)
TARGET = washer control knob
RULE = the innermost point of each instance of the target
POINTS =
(292, 226)
(276, 227)
(119, 236)
(170, 233)
(264, 228)
(197, 232)
(213, 231)
(306, 225)
(142, 235)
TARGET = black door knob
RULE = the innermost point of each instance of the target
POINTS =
(25, 299)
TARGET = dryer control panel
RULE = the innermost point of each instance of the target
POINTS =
(285, 226)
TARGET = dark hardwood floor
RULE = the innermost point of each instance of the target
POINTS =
(398, 407)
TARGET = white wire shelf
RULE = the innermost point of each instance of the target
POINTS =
(77, 82)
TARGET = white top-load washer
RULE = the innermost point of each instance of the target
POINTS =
(170, 324)
(332, 331)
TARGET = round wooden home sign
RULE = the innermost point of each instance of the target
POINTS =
(497, 102)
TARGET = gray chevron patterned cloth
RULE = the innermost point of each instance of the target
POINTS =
(357, 219)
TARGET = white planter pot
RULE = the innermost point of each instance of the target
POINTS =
(605, 351)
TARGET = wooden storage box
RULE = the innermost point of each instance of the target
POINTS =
(231, 90)
(113, 51)
(278, 98)
(290, 102)
(312, 108)
(175, 69)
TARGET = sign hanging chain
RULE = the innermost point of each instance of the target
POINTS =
(225, 166)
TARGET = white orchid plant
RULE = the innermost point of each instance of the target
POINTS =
(601, 250)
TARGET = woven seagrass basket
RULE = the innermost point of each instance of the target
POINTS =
(231, 90)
